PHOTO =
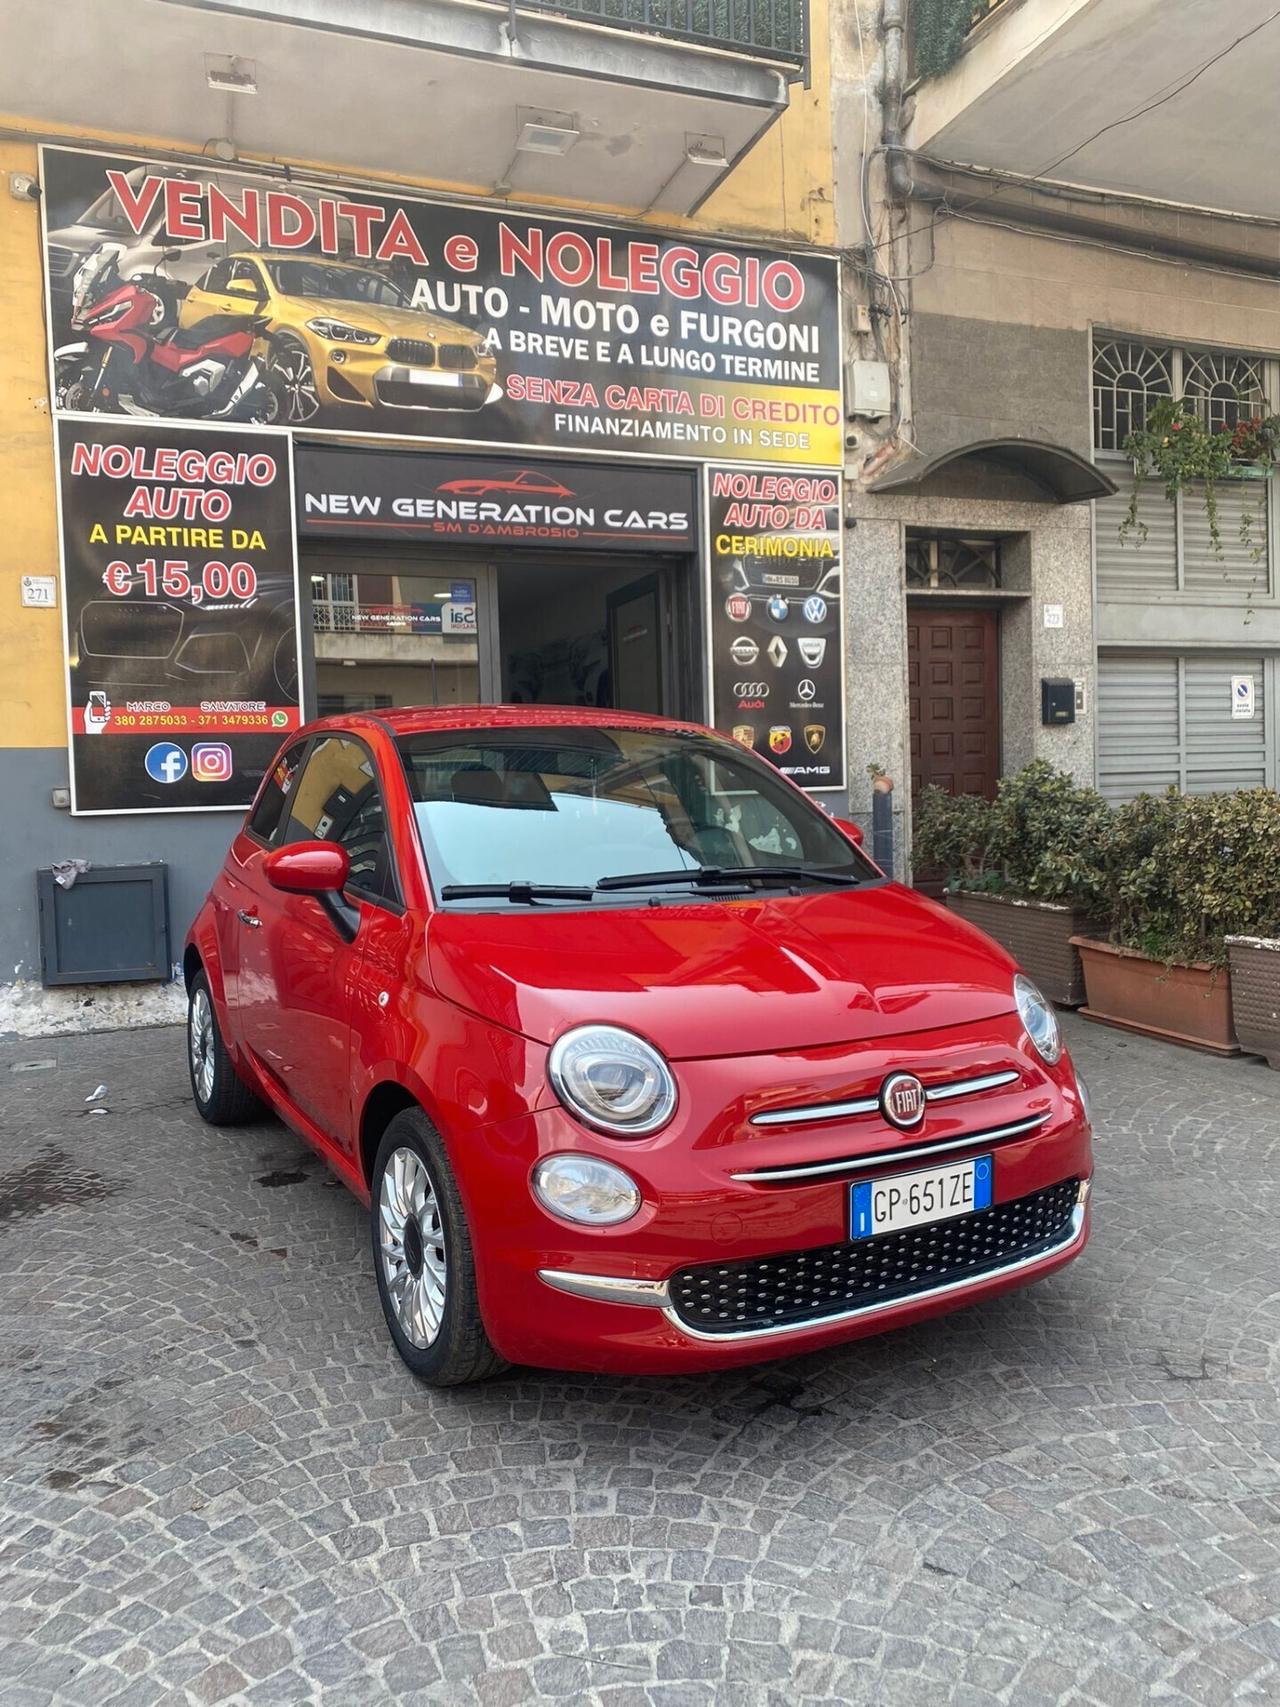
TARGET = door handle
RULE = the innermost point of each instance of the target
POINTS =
(249, 919)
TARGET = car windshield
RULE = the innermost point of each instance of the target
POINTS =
(555, 808)
(106, 214)
(339, 284)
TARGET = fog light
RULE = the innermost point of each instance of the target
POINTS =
(586, 1189)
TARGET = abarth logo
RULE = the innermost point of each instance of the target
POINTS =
(902, 1100)
(780, 738)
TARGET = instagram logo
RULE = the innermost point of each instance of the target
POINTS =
(211, 761)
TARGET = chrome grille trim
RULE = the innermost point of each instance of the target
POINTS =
(869, 1105)
(970, 1087)
(820, 1111)
(910, 1153)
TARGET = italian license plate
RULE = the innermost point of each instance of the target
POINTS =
(914, 1200)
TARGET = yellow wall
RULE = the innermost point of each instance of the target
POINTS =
(32, 694)
(781, 190)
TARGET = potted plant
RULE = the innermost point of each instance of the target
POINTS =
(1184, 873)
(1024, 867)
(1176, 446)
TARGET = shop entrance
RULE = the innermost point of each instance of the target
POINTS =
(425, 628)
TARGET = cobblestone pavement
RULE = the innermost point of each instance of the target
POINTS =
(221, 1486)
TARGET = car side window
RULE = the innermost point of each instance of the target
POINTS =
(244, 272)
(264, 820)
(339, 800)
(217, 278)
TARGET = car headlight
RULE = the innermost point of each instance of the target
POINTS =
(1039, 1018)
(586, 1189)
(612, 1080)
(339, 332)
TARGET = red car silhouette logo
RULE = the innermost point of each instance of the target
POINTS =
(527, 480)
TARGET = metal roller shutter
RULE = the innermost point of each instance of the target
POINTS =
(1166, 719)
(1135, 567)
(1237, 572)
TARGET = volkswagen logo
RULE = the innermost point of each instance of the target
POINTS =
(902, 1100)
(751, 690)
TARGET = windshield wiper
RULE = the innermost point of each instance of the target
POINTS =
(716, 876)
(519, 894)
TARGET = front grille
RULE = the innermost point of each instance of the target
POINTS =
(796, 1286)
(457, 357)
(62, 262)
(129, 628)
(415, 352)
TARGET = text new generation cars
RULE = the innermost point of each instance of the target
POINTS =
(638, 1061)
(341, 334)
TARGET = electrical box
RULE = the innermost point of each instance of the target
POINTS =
(867, 389)
(110, 927)
(1057, 701)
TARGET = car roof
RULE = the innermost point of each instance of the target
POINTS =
(296, 255)
(421, 720)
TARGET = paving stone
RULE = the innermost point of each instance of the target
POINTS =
(220, 1485)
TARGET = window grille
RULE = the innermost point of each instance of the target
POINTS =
(1127, 378)
(940, 562)
(1223, 388)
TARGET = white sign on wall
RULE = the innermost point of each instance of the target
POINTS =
(1053, 616)
(40, 591)
(1242, 696)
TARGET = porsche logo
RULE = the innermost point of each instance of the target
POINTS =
(745, 734)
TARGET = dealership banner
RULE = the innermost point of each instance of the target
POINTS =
(399, 316)
(180, 602)
(413, 495)
(776, 625)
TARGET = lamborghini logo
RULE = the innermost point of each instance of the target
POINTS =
(814, 735)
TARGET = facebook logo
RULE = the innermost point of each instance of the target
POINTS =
(165, 762)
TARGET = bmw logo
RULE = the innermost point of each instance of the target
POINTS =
(779, 609)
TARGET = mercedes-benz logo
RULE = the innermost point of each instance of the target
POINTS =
(902, 1100)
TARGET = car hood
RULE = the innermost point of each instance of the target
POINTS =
(727, 978)
(375, 317)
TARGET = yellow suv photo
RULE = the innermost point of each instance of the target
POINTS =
(341, 334)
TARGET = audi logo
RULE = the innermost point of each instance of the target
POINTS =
(751, 690)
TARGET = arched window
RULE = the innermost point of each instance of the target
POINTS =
(1223, 388)
(1127, 378)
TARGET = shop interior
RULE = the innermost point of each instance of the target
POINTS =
(394, 628)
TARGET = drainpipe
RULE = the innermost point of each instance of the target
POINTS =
(899, 184)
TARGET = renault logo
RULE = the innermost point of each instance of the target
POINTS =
(902, 1100)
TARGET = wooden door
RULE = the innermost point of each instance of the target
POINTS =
(953, 660)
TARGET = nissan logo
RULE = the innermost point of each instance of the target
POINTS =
(902, 1100)
(751, 690)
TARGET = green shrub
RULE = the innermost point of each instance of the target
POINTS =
(1049, 835)
(1186, 871)
(953, 833)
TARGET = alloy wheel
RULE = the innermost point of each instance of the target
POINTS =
(411, 1241)
(200, 1040)
(296, 374)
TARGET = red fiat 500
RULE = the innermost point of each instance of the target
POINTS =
(638, 1061)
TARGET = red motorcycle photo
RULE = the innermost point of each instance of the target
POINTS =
(138, 361)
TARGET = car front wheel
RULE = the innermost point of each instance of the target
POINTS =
(221, 1095)
(423, 1258)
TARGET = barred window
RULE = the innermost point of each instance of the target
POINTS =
(1127, 378)
(941, 561)
(1223, 388)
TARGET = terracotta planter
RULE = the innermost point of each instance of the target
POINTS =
(1255, 994)
(1038, 934)
(1185, 1004)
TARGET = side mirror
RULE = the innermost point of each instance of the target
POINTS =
(308, 868)
(850, 829)
(245, 287)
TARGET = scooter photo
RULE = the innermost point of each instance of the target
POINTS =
(136, 360)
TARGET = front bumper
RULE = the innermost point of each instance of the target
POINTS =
(716, 1192)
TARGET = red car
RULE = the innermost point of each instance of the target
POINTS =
(638, 1061)
(527, 481)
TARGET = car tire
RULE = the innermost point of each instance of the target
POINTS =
(290, 366)
(221, 1095)
(423, 1258)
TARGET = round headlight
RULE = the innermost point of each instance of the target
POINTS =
(1039, 1018)
(586, 1189)
(612, 1080)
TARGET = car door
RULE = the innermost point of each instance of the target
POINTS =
(296, 1001)
(237, 889)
